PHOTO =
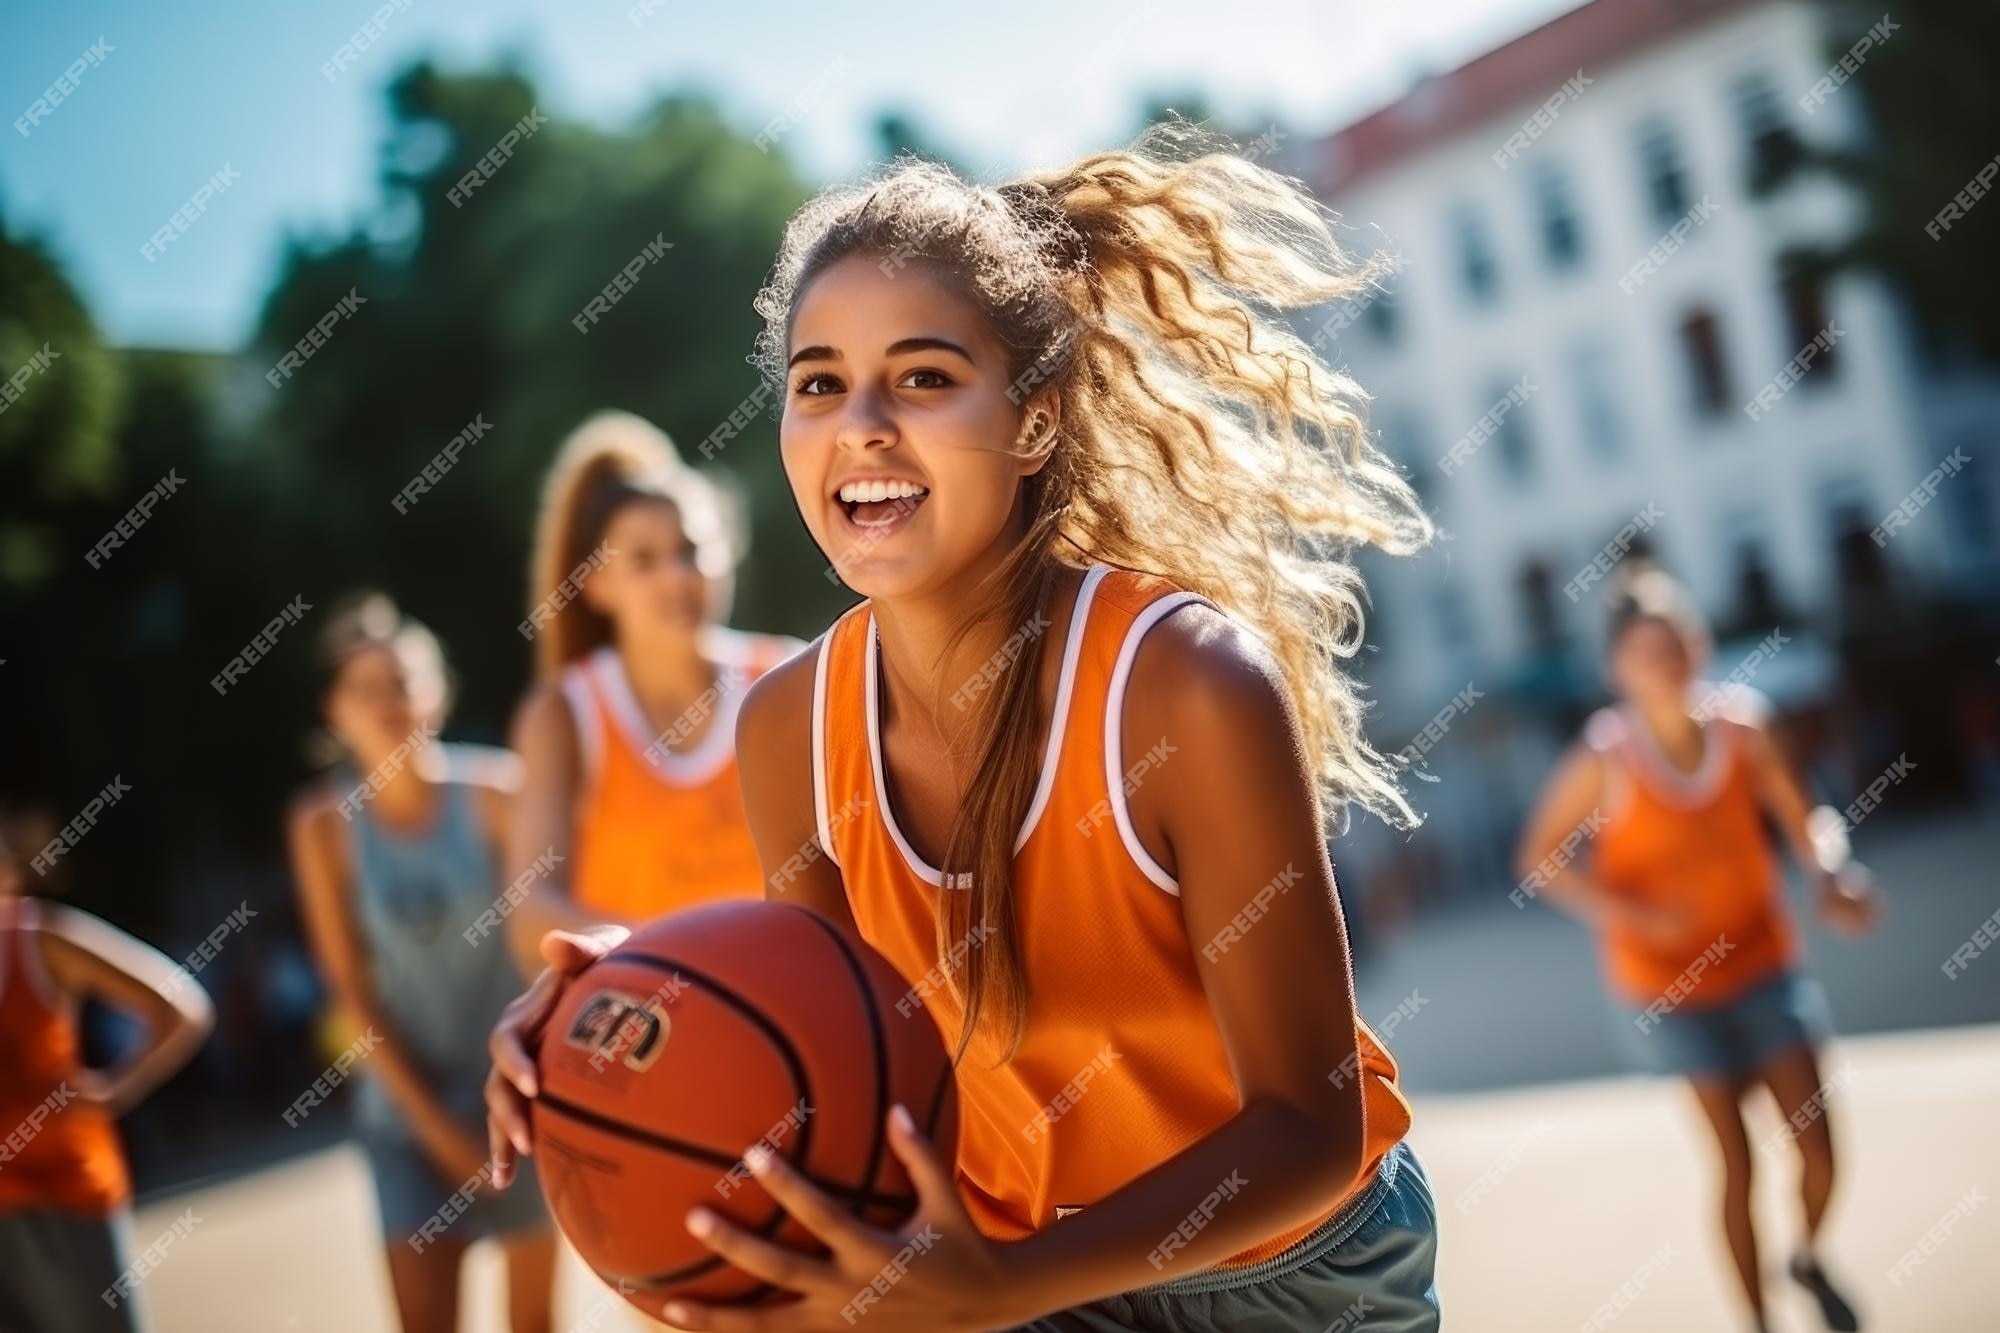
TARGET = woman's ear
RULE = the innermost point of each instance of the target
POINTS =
(1041, 422)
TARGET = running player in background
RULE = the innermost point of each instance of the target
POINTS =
(65, 1196)
(396, 855)
(1673, 785)
(631, 805)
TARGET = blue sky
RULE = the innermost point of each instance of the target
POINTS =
(186, 88)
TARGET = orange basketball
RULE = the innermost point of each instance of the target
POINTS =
(708, 1031)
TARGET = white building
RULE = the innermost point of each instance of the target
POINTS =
(1581, 257)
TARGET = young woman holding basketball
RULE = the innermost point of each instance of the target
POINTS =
(1101, 501)
(1680, 882)
(631, 805)
(396, 854)
(65, 1198)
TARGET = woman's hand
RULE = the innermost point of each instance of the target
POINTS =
(935, 1273)
(512, 1082)
(1849, 900)
(1661, 923)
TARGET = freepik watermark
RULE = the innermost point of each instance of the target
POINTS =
(811, 851)
(1092, 71)
(511, 897)
(1933, 1240)
(691, 718)
(330, 1078)
(134, 519)
(1614, 550)
(807, 97)
(1502, 1166)
(1667, 246)
(1982, 938)
(453, 1208)
(737, 1174)
(1848, 65)
(1535, 126)
(17, 383)
(1838, 825)
(398, 759)
(1350, 1065)
(495, 157)
(1793, 371)
(1043, 368)
(23, 1134)
(635, 1025)
(1346, 314)
(1003, 657)
(892, 1273)
(1684, 985)
(1253, 912)
(444, 461)
(1731, 687)
(864, 547)
(566, 592)
(1135, 777)
(1815, 1106)
(1552, 865)
(185, 216)
(149, 1259)
(1435, 729)
(56, 93)
(260, 644)
(623, 281)
(1195, 1222)
(208, 950)
(1487, 426)
(316, 337)
(364, 37)
(1918, 499)
(1631, 1289)
(738, 420)
(1962, 203)
(643, 11)
(86, 819)
(1070, 1094)
(934, 980)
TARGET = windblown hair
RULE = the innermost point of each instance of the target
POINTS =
(612, 460)
(1199, 438)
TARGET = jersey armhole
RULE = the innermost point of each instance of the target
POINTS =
(584, 716)
(1114, 735)
(821, 828)
(31, 924)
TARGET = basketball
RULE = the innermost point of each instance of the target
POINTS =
(706, 1032)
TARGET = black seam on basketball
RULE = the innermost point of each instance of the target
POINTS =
(801, 1088)
(937, 1103)
(706, 1156)
(881, 1046)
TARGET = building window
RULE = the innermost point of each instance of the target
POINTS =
(1769, 143)
(1708, 371)
(1599, 420)
(1538, 606)
(1555, 206)
(1510, 429)
(1381, 317)
(1803, 295)
(1401, 436)
(1665, 174)
(1478, 272)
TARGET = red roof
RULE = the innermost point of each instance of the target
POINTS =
(1524, 72)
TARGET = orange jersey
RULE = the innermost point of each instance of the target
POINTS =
(57, 1152)
(1121, 1065)
(660, 826)
(1696, 838)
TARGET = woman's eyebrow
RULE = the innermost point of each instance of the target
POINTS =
(902, 346)
(817, 352)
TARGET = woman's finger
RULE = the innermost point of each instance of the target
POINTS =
(758, 1257)
(929, 1172)
(499, 1139)
(571, 951)
(507, 1119)
(519, 1023)
(807, 1204)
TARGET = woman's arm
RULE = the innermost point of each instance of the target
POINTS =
(1847, 895)
(1567, 809)
(498, 788)
(544, 826)
(91, 958)
(773, 730)
(320, 866)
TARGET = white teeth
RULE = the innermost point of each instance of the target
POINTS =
(862, 492)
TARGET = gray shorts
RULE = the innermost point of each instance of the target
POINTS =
(55, 1268)
(1733, 1039)
(1370, 1266)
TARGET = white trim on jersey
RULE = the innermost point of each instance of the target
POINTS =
(1114, 710)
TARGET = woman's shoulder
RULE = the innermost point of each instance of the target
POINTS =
(482, 767)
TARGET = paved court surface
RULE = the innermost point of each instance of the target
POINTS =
(1588, 1184)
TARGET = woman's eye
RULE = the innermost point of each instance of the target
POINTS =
(939, 379)
(817, 384)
